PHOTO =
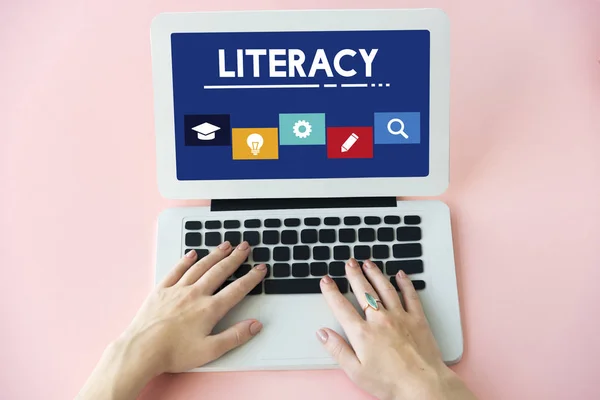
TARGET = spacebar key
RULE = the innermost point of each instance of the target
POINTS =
(298, 286)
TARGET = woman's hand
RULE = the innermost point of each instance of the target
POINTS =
(172, 330)
(178, 317)
(392, 352)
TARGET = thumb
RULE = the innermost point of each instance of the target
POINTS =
(339, 349)
(235, 336)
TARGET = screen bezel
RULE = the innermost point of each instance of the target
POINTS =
(434, 20)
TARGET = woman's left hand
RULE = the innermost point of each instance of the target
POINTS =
(172, 330)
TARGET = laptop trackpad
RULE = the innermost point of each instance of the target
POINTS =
(290, 324)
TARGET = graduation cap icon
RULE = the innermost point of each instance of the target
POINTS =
(206, 131)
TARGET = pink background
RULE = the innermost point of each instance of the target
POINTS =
(78, 198)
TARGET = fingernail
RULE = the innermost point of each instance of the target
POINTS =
(368, 264)
(352, 263)
(191, 254)
(327, 279)
(255, 327)
(261, 267)
(401, 274)
(322, 335)
(243, 246)
(224, 245)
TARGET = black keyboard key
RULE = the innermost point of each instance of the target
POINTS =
(261, 254)
(408, 266)
(412, 220)
(366, 235)
(332, 221)
(321, 253)
(193, 239)
(300, 270)
(408, 234)
(385, 234)
(347, 235)
(362, 252)
(298, 286)
(352, 221)
(392, 220)
(291, 222)
(381, 251)
(252, 223)
(252, 237)
(193, 225)
(258, 289)
(281, 270)
(213, 238)
(327, 235)
(272, 223)
(379, 264)
(419, 285)
(289, 237)
(242, 270)
(309, 236)
(313, 221)
(271, 237)
(337, 268)
(341, 253)
(411, 250)
(213, 224)
(318, 269)
(372, 220)
(234, 238)
(200, 252)
(281, 254)
(231, 224)
(301, 252)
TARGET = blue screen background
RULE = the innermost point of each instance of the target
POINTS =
(402, 60)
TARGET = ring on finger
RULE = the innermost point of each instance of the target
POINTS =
(372, 302)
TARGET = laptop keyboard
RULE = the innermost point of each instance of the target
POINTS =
(300, 251)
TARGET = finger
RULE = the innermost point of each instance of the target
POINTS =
(342, 309)
(358, 281)
(236, 291)
(177, 272)
(233, 337)
(339, 350)
(387, 292)
(203, 265)
(411, 298)
(217, 274)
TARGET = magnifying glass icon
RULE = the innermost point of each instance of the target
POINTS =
(399, 131)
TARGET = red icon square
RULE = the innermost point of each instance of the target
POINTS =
(350, 142)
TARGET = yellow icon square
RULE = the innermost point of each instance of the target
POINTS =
(255, 143)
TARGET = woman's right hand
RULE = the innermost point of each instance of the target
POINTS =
(392, 352)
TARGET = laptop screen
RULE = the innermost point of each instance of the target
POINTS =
(299, 105)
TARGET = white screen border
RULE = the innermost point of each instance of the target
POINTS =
(434, 20)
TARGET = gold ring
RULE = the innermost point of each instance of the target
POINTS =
(371, 302)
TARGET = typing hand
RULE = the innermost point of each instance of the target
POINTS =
(176, 320)
(172, 330)
(392, 352)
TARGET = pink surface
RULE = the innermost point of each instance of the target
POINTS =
(78, 198)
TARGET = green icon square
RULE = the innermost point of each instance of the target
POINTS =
(301, 129)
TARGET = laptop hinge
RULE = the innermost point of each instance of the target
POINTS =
(300, 203)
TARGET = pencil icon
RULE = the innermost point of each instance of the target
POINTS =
(349, 143)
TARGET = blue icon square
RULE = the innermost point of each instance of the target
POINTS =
(397, 128)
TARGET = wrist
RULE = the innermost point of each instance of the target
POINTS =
(440, 384)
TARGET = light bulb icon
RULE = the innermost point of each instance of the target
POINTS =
(255, 142)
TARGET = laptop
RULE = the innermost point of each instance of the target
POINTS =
(302, 127)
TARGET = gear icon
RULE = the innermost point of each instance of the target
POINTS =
(302, 129)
